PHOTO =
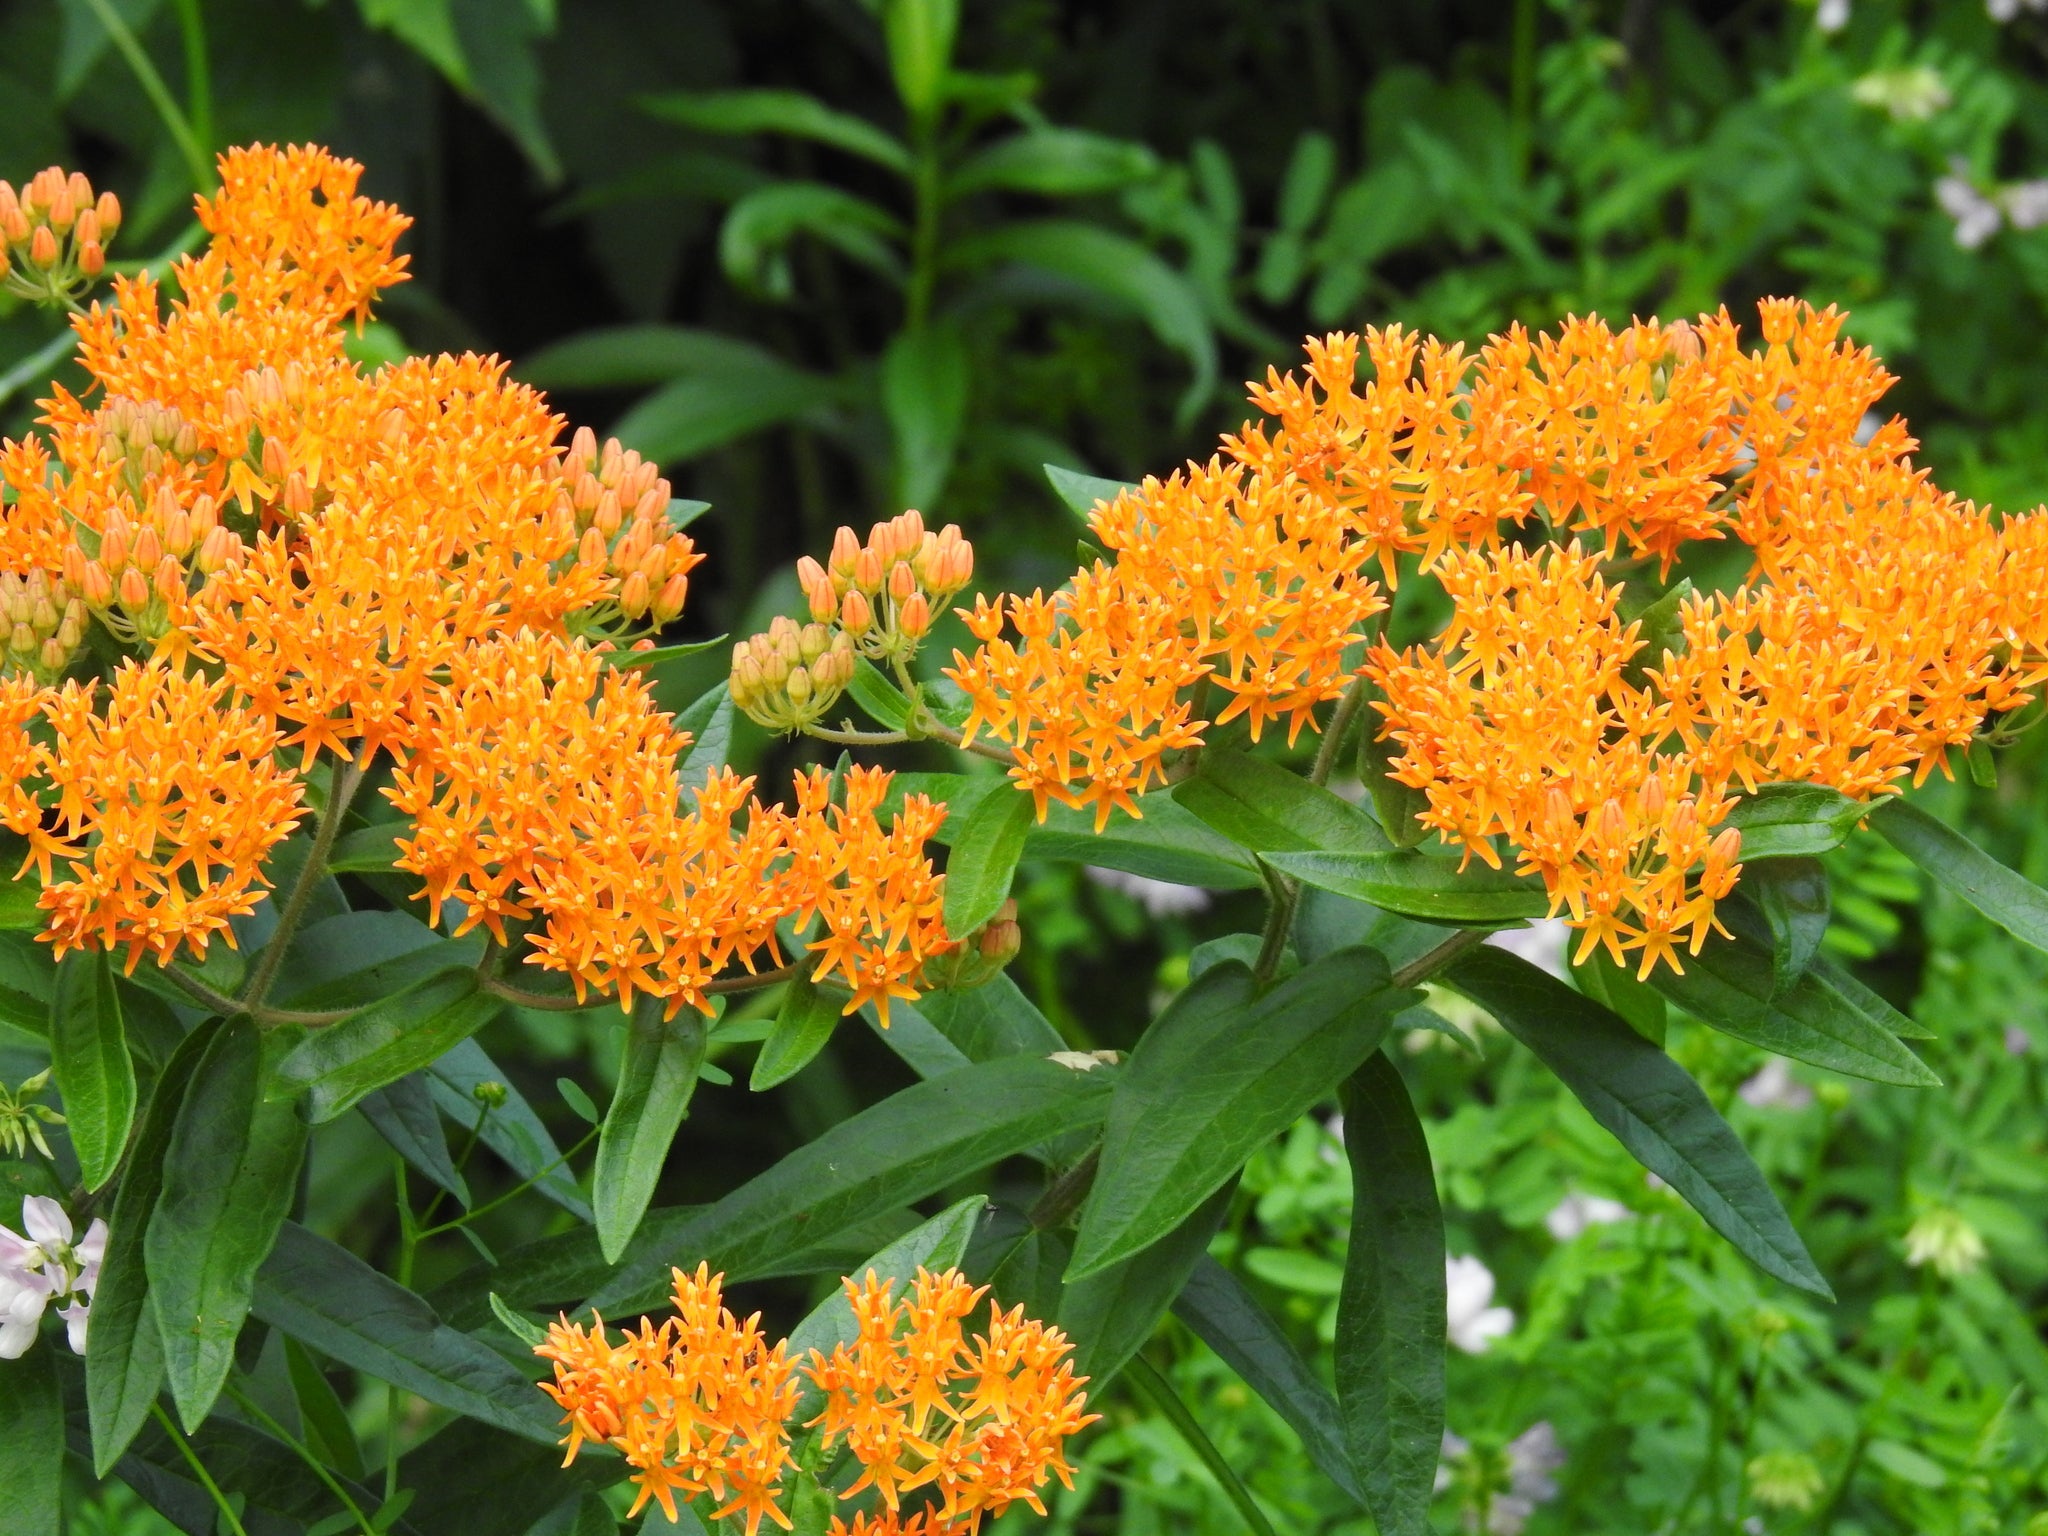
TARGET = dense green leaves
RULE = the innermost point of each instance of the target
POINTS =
(403, 1113)
(1261, 806)
(89, 1052)
(903, 1149)
(1649, 1104)
(511, 1128)
(1390, 1320)
(656, 1080)
(805, 1021)
(1219, 1072)
(984, 859)
(31, 1445)
(2013, 902)
(338, 1065)
(1418, 885)
(229, 1176)
(1111, 1313)
(770, 111)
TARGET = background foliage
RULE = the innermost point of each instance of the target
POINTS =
(820, 282)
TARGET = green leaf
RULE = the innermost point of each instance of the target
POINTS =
(523, 1329)
(1167, 843)
(1390, 1315)
(500, 38)
(1647, 1102)
(882, 699)
(769, 111)
(753, 243)
(903, 1149)
(367, 850)
(1111, 1313)
(925, 385)
(1261, 806)
(1839, 979)
(696, 412)
(336, 1066)
(229, 1177)
(1733, 985)
(403, 1114)
(31, 1445)
(427, 27)
(984, 860)
(512, 1130)
(1615, 988)
(86, 39)
(1054, 162)
(640, 356)
(1794, 821)
(1219, 1073)
(1396, 804)
(324, 1296)
(656, 1080)
(1224, 1315)
(328, 1431)
(124, 1368)
(1660, 628)
(20, 893)
(1084, 493)
(1418, 885)
(709, 722)
(803, 1023)
(579, 1102)
(2010, 900)
(920, 35)
(89, 1054)
(1792, 895)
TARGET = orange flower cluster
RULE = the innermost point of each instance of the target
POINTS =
(53, 235)
(701, 1404)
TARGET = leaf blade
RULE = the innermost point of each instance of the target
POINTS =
(984, 859)
(1418, 885)
(656, 1081)
(89, 1053)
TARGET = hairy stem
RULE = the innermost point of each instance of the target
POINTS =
(348, 776)
(1430, 961)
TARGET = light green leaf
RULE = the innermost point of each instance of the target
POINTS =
(804, 1022)
(1054, 162)
(1419, 885)
(1790, 821)
(698, 412)
(753, 242)
(1084, 493)
(656, 1080)
(1261, 806)
(89, 1055)
(882, 699)
(1396, 804)
(795, 113)
(925, 385)
(2010, 900)
(920, 35)
(984, 860)
(338, 1065)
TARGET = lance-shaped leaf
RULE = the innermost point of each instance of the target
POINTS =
(340, 1064)
(1110, 1314)
(1795, 821)
(1419, 885)
(1649, 1104)
(656, 1080)
(89, 1051)
(511, 1128)
(31, 1445)
(803, 1024)
(1390, 1314)
(1792, 895)
(1081, 493)
(229, 1176)
(904, 1149)
(403, 1113)
(984, 859)
(2009, 899)
(124, 1368)
(1263, 807)
(773, 111)
(1221, 1071)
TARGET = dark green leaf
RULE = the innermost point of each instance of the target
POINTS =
(89, 1054)
(368, 850)
(1792, 894)
(1839, 979)
(1649, 1104)
(656, 1080)
(403, 1114)
(1261, 806)
(1396, 804)
(1111, 1313)
(696, 412)
(984, 859)
(341, 1063)
(770, 111)
(1054, 162)
(328, 1431)
(1660, 629)
(31, 1445)
(1615, 988)
(1084, 493)
(2010, 900)
(1417, 885)
(1793, 821)
(229, 1177)
(925, 385)
(882, 699)
(640, 356)
(327, 1298)
(709, 724)
(803, 1024)
(124, 1368)
(995, 1019)
(471, 1480)
(1390, 1316)
(753, 242)
(1219, 1073)
(512, 1129)
(906, 1148)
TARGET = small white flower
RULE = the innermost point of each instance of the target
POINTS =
(1831, 15)
(1775, 1088)
(1470, 1320)
(45, 1267)
(1945, 1239)
(1543, 943)
(1977, 216)
(23, 1295)
(1160, 898)
(2008, 10)
(1576, 1212)
(2026, 203)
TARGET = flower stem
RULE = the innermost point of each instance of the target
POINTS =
(348, 777)
(227, 1510)
(228, 1007)
(1338, 728)
(174, 120)
(1159, 1394)
(1430, 961)
(550, 1002)
(250, 1406)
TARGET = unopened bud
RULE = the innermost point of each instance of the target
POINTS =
(798, 686)
(1683, 342)
(170, 579)
(149, 548)
(609, 514)
(221, 547)
(491, 1095)
(114, 543)
(855, 616)
(24, 641)
(914, 618)
(634, 597)
(132, 591)
(95, 585)
(869, 572)
(108, 210)
(845, 551)
(902, 580)
(668, 602)
(42, 248)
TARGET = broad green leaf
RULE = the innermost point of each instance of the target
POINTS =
(229, 1177)
(512, 1129)
(403, 1114)
(1054, 162)
(1084, 493)
(89, 1055)
(1660, 628)
(274, 1488)
(984, 859)
(1390, 1315)
(641, 356)
(1733, 985)
(1419, 885)
(697, 412)
(1616, 988)
(1839, 979)
(656, 1080)
(753, 243)
(803, 1023)
(367, 850)
(1396, 804)
(1226, 1317)
(1110, 1314)
(904, 1149)
(882, 699)
(920, 35)
(124, 1368)
(502, 41)
(2010, 900)
(336, 1066)
(86, 41)
(1792, 895)
(1794, 821)
(20, 893)
(770, 111)
(328, 1299)
(471, 1480)
(1261, 806)
(425, 26)
(1647, 1102)
(359, 960)
(709, 722)
(328, 1431)
(282, 868)
(31, 1445)
(995, 1019)
(925, 385)
(1219, 1073)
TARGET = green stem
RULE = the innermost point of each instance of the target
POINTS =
(856, 738)
(1153, 1387)
(348, 775)
(1338, 728)
(1286, 896)
(408, 1245)
(549, 1002)
(1064, 1195)
(516, 1190)
(174, 120)
(228, 1007)
(1430, 961)
(254, 1409)
(924, 239)
(198, 71)
(227, 1510)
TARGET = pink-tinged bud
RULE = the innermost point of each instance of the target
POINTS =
(1613, 823)
(96, 586)
(275, 465)
(220, 548)
(869, 572)
(108, 209)
(855, 616)
(609, 514)
(592, 550)
(149, 548)
(1683, 342)
(845, 552)
(87, 230)
(298, 499)
(583, 448)
(114, 543)
(634, 598)
(668, 602)
(1684, 817)
(132, 592)
(74, 567)
(914, 618)
(234, 412)
(170, 579)
(42, 248)
(902, 581)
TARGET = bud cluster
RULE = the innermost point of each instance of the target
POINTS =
(53, 236)
(886, 592)
(45, 625)
(979, 957)
(134, 578)
(620, 506)
(137, 439)
(788, 677)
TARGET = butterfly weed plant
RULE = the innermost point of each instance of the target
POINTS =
(331, 740)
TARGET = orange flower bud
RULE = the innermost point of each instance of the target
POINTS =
(855, 617)
(170, 579)
(92, 261)
(63, 211)
(132, 591)
(108, 208)
(205, 517)
(114, 543)
(275, 465)
(914, 618)
(87, 230)
(221, 548)
(902, 580)
(149, 548)
(845, 551)
(592, 550)
(96, 586)
(42, 248)
(668, 602)
(634, 598)
(869, 572)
